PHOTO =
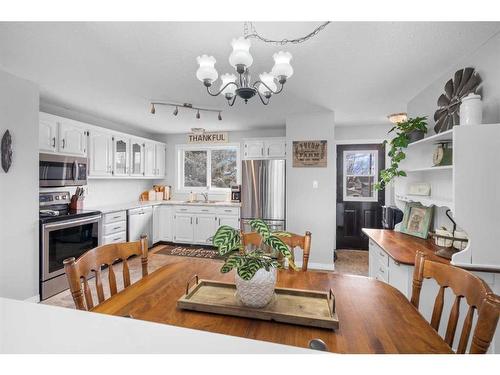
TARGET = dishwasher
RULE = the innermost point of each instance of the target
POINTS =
(140, 221)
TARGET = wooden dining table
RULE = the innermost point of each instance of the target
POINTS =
(373, 316)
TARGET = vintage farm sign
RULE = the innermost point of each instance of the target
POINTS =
(309, 154)
(208, 137)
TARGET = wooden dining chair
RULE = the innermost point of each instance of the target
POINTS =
(466, 285)
(78, 271)
(304, 242)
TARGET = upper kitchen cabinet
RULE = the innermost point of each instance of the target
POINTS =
(47, 136)
(100, 153)
(155, 154)
(160, 159)
(270, 148)
(137, 157)
(60, 135)
(121, 152)
(72, 138)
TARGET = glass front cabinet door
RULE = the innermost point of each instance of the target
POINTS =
(136, 158)
(121, 152)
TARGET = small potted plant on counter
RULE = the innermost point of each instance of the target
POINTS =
(255, 269)
(405, 133)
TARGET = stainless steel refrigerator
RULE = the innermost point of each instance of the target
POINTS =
(263, 193)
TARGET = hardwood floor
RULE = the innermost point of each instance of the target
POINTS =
(352, 262)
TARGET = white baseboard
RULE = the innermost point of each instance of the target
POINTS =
(317, 266)
(34, 299)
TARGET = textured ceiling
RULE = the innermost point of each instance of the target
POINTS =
(362, 71)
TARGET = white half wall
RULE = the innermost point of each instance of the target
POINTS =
(313, 209)
(19, 101)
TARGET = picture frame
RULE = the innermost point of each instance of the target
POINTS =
(310, 154)
(416, 220)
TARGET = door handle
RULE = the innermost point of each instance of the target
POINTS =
(196, 221)
(54, 142)
(75, 166)
(191, 220)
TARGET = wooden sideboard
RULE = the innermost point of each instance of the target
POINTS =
(391, 260)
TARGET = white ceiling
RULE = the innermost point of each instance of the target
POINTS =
(362, 71)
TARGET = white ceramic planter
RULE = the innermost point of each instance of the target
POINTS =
(471, 111)
(259, 290)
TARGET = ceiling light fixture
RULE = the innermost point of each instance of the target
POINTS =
(188, 106)
(396, 118)
(241, 59)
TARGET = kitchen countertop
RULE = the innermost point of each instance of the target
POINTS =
(137, 204)
(403, 247)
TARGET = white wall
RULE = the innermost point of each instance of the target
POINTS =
(311, 209)
(19, 189)
(361, 132)
(178, 139)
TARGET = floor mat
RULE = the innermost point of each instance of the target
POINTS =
(353, 262)
(194, 251)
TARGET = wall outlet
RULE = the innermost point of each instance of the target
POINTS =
(315, 184)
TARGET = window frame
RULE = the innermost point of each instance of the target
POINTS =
(179, 153)
(346, 198)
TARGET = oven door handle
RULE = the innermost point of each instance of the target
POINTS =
(72, 223)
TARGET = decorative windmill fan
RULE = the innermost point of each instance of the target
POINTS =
(465, 82)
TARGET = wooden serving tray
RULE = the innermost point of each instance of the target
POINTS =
(294, 306)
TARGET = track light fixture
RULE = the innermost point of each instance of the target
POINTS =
(188, 106)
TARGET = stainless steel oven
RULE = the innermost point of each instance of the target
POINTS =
(61, 239)
(60, 170)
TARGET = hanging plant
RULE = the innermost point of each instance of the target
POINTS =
(397, 145)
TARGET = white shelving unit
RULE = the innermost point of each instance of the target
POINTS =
(419, 168)
(469, 188)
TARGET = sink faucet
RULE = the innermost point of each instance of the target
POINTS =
(205, 195)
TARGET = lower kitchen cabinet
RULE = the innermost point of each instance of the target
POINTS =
(114, 227)
(162, 223)
(232, 221)
(205, 226)
(183, 227)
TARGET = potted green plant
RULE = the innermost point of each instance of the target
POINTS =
(255, 277)
(405, 131)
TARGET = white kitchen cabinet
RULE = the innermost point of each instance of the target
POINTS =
(114, 228)
(137, 157)
(72, 138)
(121, 153)
(149, 159)
(160, 156)
(48, 133)
(163, 223)
(264, 148)
(253, 149)
(275, 148)
(205, 226)
(100, 153)
(232, 221)
(183, 227)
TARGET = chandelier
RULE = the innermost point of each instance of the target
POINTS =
(240, 59)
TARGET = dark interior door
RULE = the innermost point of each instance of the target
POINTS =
(359, 205)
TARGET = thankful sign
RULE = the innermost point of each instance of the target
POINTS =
(309, 154)
(210, 137)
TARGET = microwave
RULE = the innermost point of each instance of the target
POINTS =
(61, 170)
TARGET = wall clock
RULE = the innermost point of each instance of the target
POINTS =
(464, 82)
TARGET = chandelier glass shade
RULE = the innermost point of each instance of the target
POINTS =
(233, 86)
